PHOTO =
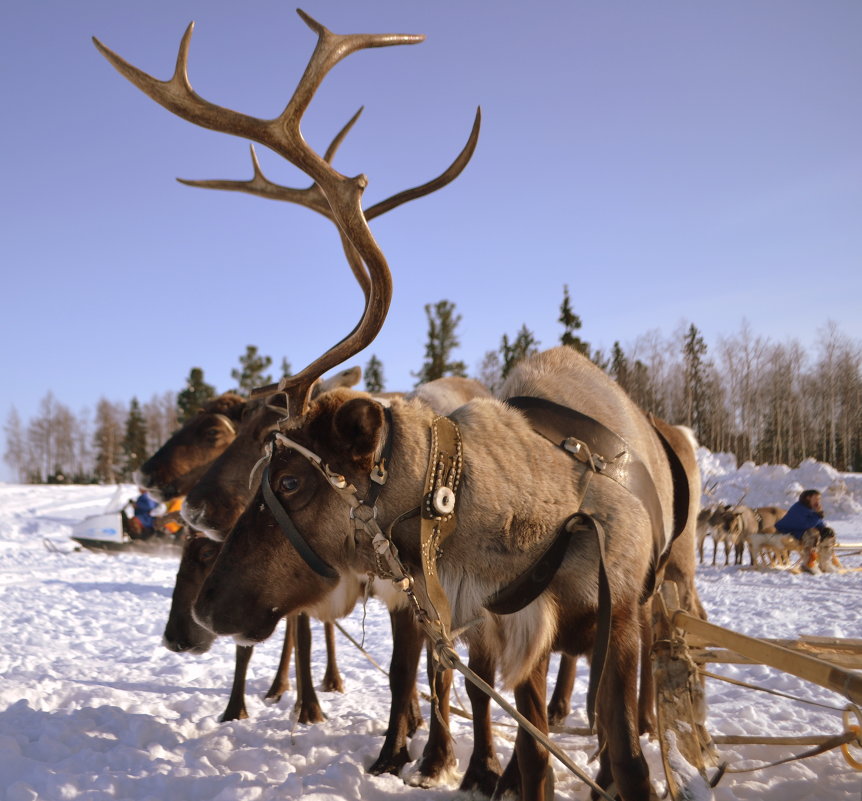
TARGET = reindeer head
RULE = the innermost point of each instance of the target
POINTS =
(182, 460)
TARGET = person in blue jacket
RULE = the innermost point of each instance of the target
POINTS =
(142, 525)
(804, 521)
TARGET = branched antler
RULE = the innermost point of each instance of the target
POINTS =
(312, 197)
(282, 134)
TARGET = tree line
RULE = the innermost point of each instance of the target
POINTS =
(762, 401)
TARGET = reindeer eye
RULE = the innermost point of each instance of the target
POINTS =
(208, 553)
(288, 484)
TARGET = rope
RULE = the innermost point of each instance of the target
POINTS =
(748, 686)
(453, 661)
(837, 741)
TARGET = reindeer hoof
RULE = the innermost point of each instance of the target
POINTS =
(481, 778)
(311, 713)
(233, 714)
(432, 772)
(390, 763)
(557, 714)
(332, 684)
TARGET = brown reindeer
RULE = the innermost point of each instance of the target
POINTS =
(183, 634)
(172, 471)
(178, 464)
(222, 494)
(708, 520)
(175, 468)
(345, 467)
(733, 528)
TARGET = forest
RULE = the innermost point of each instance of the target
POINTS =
(764, 402)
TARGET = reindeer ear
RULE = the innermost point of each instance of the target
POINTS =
(359, 422)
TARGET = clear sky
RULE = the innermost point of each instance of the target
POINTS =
(668, 161)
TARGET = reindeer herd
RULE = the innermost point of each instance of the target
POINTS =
(738, 528)
(540, 519)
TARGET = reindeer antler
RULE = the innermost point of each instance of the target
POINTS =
(283, 135)
(312, 197)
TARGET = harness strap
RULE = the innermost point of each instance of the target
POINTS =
(227, 421)
(681, 498)
(292, 533)
(612, 457)
(438, 511)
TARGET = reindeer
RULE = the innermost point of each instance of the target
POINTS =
(345, 468)
(767, 546)
(222, 494)
(176, 467)
(734, 527)
(172, 471)
(184, 635)
(182, 461)
(707, 521)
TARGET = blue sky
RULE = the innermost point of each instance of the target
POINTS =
(669, 161)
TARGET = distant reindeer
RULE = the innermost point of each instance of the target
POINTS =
(708, 519)
(768, 547)
(734, 527)
(345, 472)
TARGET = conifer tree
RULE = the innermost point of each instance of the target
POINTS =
(619, 367)
(286, 369)
(194, 396)
(373, 373)
(695, 369)
(134, 440)
(442, 322)
(252, 374)
(524, 344)
(571, 323)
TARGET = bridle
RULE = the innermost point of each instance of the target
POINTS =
(363, 511)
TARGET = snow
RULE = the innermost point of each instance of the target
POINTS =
(93, 707)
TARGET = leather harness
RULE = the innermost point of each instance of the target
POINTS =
(591, 444)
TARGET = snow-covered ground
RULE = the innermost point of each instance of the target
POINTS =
(93, 707)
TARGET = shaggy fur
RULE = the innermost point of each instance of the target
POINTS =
(516, 490)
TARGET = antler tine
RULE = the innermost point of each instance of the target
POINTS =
(284, 137)
(446, 177)
(312, 197)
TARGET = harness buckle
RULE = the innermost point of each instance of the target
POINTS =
(378, 473)
(368, 513)
(581, 451)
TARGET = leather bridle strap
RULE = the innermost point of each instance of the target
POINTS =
(534, 581)
(292, 532)
(438, 512)
(612, 457)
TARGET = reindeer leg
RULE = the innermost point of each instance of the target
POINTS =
(306, 697)
(560, 703)
(532, 758)
(332, 678)
(281, 681)
(404, 715)
(621, 761)
(483, 772)
(646, 695)
(235, 709)
(438, 756)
